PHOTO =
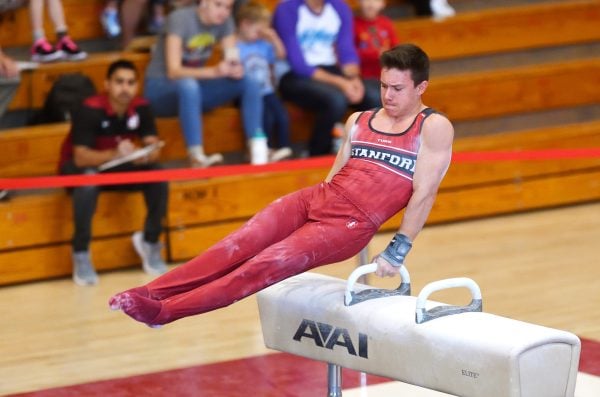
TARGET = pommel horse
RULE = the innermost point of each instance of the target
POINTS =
(459, 350)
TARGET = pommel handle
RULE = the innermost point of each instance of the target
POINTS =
(422, 315)
(351, 297)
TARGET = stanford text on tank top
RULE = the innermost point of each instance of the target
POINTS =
(378, 176)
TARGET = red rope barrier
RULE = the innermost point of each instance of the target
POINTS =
(179, 174)
(121, 178)
(526, 155)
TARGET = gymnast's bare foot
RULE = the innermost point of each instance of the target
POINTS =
(140, 308)
(115, 301)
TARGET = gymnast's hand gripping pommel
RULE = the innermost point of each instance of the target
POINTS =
(397, 250)
(391, 260)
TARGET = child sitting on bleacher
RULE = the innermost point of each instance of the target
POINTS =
(259, 48)
(42, 50)
(373, 34)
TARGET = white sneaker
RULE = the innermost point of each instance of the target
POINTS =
(441, 9)
(149, 253)
(203, 161)
(279, 154)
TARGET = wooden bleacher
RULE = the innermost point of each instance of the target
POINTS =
(201, 212)
(467, 34)
(37, 227)
(469, 96)
(514, 28)
(469, 190)
(34, 150)
(36, 83)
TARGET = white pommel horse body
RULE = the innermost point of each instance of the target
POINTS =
(458, 350)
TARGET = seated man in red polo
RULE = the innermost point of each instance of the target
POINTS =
(107, 127)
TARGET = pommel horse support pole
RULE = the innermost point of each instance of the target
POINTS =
(458, 350)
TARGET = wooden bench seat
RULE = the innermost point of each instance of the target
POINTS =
(574, 136)
(45, 262)
(495, 198)
(514, 28)
(45, 218)
(36, 83)
(465, 97)
(37, 227)
(472, 96)
(34, 150)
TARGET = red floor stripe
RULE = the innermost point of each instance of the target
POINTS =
(276, 375)
(590, 357)
(273, 375)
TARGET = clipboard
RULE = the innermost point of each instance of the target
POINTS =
(139, 153)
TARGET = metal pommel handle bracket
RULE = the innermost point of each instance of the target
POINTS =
(351, 297)
(422, 315)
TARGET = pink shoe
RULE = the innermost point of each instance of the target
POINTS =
(70, 50)
(43, 51)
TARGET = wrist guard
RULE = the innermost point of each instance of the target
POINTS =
(397, 250)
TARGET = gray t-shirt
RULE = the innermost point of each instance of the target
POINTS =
(198, 40)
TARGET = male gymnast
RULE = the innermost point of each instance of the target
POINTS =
(392, 158)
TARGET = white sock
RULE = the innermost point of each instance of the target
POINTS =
(196, 151)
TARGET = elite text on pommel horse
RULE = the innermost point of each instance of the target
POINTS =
(458, 350)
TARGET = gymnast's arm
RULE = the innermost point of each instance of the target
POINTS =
(344, 153)
(433, 161)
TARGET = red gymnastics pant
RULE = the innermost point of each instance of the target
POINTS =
(309, 228)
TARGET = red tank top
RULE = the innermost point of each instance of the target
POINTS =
(378, 176)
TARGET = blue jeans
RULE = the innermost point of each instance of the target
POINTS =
(189, 97)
